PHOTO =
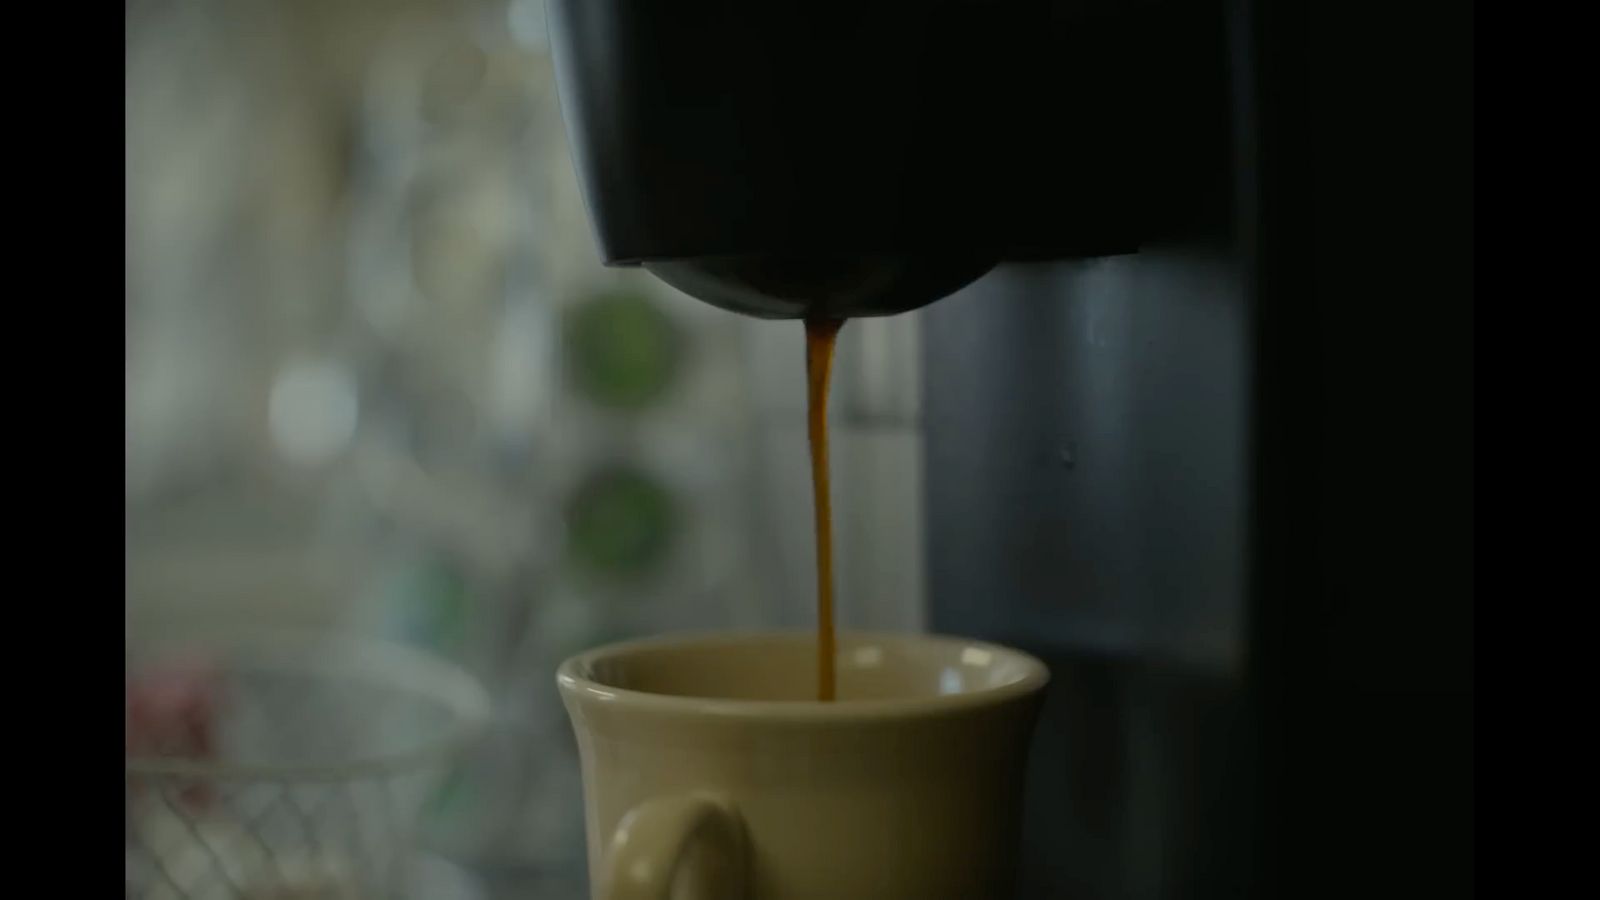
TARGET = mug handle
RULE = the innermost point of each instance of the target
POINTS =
(697, 837)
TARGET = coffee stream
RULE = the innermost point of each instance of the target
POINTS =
(821, 335)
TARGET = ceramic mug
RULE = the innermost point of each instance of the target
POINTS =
(710, 772)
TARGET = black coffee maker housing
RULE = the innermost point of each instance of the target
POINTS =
(1197, 384)
(863, 158)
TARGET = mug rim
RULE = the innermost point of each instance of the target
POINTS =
(575, 684)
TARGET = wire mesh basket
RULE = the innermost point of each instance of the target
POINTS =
(287, 767)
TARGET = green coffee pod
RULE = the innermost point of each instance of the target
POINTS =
(622, 351)
(620, 523)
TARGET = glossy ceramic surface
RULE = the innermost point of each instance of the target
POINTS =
(708, 771)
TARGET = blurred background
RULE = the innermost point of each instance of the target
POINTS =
(378, 382)
(379, 386)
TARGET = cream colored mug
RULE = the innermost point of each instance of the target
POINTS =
(711, 773)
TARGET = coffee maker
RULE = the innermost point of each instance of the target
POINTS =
(1197, 378)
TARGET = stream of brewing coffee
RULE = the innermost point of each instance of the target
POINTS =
(821, 335)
